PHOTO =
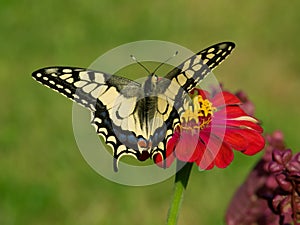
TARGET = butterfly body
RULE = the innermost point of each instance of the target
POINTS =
(133, 118)
(148, 133)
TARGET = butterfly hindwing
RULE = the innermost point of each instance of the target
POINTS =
(112, 134)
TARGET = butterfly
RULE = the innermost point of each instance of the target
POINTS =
(134, 118)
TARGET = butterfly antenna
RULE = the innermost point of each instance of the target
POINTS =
(164, 62)
(134, 59)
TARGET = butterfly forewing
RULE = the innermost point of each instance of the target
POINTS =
(80, 85)
(189, 73)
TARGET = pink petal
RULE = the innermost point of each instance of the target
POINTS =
(236, 124)
(225, 98)
(186, 148)
(216, 153)
(243, 124)
(224, 157)
(229, 112)
(255, 140)
(205, 160)
(232, 137)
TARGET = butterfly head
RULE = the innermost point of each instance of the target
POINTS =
(150, 84)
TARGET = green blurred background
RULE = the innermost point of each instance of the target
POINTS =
(43, 177)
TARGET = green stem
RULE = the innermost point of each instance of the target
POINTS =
(181, 181)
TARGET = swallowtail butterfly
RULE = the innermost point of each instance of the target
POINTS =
(134, 119)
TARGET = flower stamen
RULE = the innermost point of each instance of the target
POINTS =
(199, 114)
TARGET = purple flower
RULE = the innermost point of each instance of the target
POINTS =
(285, 167)
(271, 193)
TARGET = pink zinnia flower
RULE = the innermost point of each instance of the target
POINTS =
(209, 130)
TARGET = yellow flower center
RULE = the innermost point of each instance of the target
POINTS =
(198, 115)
